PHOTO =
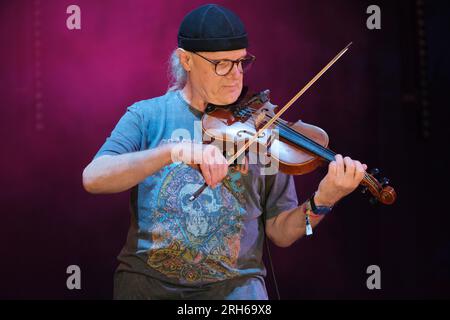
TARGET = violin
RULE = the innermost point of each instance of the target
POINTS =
(297, 147)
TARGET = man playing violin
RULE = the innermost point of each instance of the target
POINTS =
(209, 248)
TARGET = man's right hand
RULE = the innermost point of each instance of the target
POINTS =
(213, 165)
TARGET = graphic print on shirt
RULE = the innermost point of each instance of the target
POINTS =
(198, 241)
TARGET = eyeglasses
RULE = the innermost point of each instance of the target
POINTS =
(224, 66)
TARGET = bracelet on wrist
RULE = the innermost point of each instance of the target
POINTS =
(313, 211)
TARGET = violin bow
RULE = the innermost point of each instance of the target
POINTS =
(250, 141)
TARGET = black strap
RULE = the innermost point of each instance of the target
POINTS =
(266, 241)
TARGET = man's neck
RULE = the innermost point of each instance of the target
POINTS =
(193, 99)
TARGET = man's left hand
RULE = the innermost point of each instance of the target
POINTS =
(344, 176)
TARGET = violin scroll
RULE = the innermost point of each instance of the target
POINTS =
(380, 189)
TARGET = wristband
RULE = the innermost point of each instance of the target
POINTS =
(318, 210)
(313, 211)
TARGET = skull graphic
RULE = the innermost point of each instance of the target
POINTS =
(201, 214)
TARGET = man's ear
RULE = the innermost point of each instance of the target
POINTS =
(185, 59)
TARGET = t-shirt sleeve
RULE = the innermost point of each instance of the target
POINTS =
(281, 194)
(126, 136)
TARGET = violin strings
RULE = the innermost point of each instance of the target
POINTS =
(298, 134)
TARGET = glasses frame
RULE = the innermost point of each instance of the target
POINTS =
(249, 56)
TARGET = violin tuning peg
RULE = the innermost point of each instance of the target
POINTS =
(210, 108)
(373, 200)
(364, 190)
(384, 182)
(374, 171)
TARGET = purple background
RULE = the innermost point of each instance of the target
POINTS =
(64, 90)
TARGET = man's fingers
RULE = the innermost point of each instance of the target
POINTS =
(213, 173)
(349, 167)
(349, 175)
(245, 164)
(339, 166)
(332, 168)
(359, 172)
(215, 169)
(206, 166)
(218, 166)
(223, 167)
(205, 172)
(212, 163)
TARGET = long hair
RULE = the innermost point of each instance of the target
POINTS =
(177, 74)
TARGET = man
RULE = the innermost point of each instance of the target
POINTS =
(209, 248)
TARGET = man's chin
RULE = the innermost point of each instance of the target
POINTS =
(230, 98)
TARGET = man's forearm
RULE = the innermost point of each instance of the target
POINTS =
(290, 226)
(112, 174)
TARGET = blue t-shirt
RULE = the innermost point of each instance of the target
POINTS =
(219, 236)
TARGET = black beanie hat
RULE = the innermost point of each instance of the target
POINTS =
(212, 28)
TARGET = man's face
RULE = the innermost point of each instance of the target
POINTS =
(220, 90)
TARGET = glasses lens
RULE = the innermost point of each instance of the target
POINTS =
(223, 67)
(247, 63)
